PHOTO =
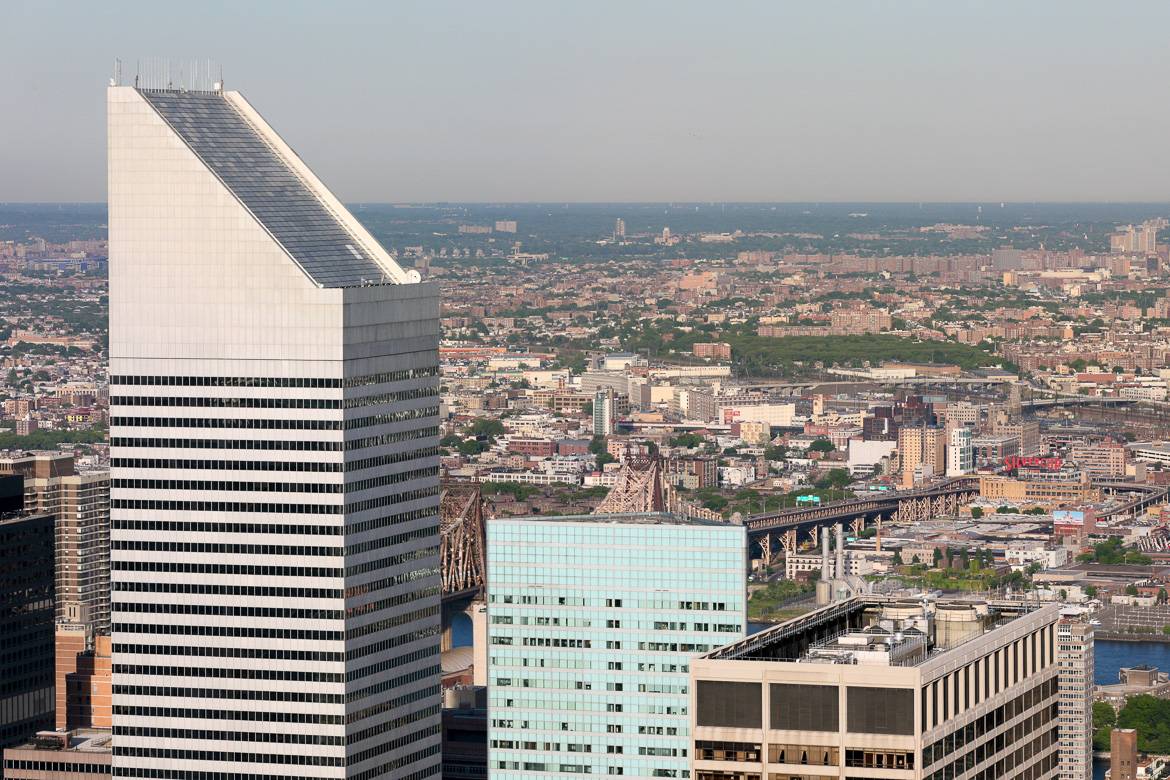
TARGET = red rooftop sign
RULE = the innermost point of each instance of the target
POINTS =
(1020, 462)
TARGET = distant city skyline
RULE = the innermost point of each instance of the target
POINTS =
(604, 102)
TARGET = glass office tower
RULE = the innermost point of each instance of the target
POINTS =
(275, 489)
(593, 621)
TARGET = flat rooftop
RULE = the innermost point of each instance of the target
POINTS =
(80, 741)
(876, 630)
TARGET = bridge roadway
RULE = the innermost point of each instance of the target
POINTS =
(886, 504)
(842, 511)
(1145, 496)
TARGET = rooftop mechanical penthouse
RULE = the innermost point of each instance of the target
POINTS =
(875, 687)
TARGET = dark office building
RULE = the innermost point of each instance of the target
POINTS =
(26, 625)
(11, 493)
(465, 748)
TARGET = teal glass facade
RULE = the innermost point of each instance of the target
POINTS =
(592, 622)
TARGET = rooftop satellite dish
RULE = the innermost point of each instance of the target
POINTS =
(413, 276)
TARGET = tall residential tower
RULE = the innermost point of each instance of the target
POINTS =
(274, 501)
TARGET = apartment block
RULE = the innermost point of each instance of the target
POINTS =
(922, 452)
(1108, 459)
(79, 502)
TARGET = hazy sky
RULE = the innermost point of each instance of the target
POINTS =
(629, 101)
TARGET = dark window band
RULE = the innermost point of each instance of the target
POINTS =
(284, 509)
(187, 464)
(235, 381)
(275, 487)
(397, 518)
(212, 402)
(276, 445)
(243, 423)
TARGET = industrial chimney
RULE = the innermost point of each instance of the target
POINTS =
(824, 555)
(840, 552)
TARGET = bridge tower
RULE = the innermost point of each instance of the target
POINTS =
(639, 487)
(462, 554)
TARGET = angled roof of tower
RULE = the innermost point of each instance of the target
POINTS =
(289, 203)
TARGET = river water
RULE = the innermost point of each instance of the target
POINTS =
(1111, 656)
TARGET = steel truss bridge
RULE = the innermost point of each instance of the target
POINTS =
(776, 532)
(781, 532)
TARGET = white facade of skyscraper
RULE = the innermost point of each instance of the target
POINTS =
(604, 413)
(1075, 658)
(960, 453)
(274, 501)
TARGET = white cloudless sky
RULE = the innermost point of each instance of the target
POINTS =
(822, 100)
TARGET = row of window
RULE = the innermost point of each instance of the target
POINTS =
(295, 424)
(229, 652)
(233, 736)
(390, 768)
(972, 732)
(1039, 746)
(232, 631)
(274, 571)
(217, 548)
(276, 487)
(361, 526)
(267, 737)
(401, 639)
(297, 655)
(550, 683)
(307, 697)
(200, 485)
(224, 755)
(245, 570)
(989, 676)
(126, 609)
(229, 549)
(311, 697)
(394, 560)
(77, 767)
(235, 381)
(268, 402)
(398, 660)
(371, 607)
(276, 445)
(275, 465)
(426, 693)
(426, 773)
(628, 603)
(389, 746)
(266, 508)
(629, 624)
(390, 622)
(396, 682)
(283, 675)
(581, 769)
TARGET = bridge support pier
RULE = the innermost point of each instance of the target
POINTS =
(766, 549)
(788, 541)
